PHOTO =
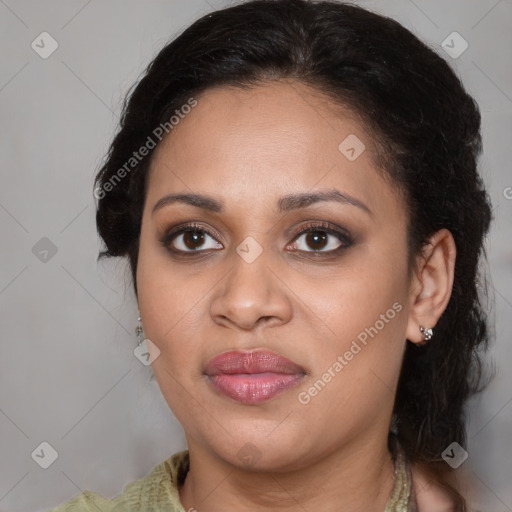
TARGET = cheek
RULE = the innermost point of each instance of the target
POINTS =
(171, 318)
(365, 308)
(357, 370)
(165, 297)
(172, 306)
(359, 295)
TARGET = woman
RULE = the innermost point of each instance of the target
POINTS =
(295, 187)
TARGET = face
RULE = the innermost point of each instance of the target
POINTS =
(241, 272)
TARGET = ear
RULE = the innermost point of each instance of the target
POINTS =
(431, 285)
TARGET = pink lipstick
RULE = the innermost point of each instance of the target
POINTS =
(252, 377)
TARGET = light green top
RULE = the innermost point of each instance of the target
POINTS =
(156, 492)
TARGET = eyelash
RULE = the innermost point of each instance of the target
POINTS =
(323, 227)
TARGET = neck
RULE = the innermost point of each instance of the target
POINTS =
(354, 478)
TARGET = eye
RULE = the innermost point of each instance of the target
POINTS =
(321, 238)
(189, 238)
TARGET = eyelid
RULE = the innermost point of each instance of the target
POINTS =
(320, 225)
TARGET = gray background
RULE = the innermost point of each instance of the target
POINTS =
(67, 370)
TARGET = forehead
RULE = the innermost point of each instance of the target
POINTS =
(260, 143)
(270, 120)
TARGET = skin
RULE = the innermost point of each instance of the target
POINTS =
(248, 148)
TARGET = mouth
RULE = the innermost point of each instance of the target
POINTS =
(252, 377)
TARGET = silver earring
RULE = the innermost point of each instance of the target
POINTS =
(427, 334)
(139, 331)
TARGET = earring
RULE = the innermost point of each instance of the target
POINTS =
(427, 335)
(139, 331)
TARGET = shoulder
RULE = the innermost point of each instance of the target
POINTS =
(84, 502)
(156, 491)
(430, 495)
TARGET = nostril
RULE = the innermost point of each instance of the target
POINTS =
(266, 319)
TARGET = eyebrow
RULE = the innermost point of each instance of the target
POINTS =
(284, 204)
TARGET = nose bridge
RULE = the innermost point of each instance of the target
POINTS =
(251, 290)
(250, 278)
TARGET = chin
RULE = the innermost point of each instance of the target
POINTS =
(260, 453)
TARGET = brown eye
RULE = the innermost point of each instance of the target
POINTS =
(317, 240)
(321, 238)
(189, 239)
(193, 239)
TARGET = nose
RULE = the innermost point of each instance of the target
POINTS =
(251, 295)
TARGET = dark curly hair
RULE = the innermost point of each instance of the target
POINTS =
(427, 133)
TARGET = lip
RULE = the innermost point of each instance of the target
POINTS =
(252, 377)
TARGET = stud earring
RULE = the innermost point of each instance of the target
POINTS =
(427, 335)
(139, 331)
